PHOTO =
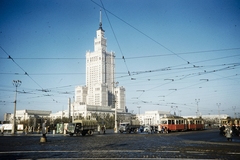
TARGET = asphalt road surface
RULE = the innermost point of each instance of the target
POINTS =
(207, 144)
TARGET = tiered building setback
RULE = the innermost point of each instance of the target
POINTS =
(100, 89)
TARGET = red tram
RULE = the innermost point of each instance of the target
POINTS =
(195, 124)
(182, 124)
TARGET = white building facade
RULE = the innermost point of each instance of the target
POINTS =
(152, 117)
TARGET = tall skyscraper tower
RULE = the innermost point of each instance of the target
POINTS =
(100, 87)
(100, 71)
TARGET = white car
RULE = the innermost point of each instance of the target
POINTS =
(147, 129)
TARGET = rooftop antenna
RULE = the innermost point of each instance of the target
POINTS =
(100, 17)
(100, 24)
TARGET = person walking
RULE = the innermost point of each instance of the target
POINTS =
(26, 130)
(2, 129)
(228, 133)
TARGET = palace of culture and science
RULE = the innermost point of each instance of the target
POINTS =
(100, 93)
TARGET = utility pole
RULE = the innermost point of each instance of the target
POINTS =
(219, 104)
(179, 112)
(174, 108)
(139, 109)
(69, 108)
(234, 107)
(16, 83)
(116, 127)
(197, 101)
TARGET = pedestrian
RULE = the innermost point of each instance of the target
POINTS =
(38, 129)
(26, 130)
(44, 128)
(222, 129)
(228, 133)
(2, 129)
(104, 129)
(166, 130)
(162, 129)
(99, 128)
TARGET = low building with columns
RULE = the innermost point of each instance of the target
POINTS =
(152, 117)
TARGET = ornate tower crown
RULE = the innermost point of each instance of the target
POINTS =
(100, 24)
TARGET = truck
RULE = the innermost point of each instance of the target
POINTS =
(129, 126)
(82, 127)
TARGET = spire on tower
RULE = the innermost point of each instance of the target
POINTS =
(100, 17)
(100, 24)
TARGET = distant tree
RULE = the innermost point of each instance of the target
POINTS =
(61, 120)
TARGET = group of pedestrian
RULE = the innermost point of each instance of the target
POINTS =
(229, 131)
(236, 130)
(28, 129)
(164, 129)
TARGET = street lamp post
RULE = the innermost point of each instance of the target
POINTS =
(197, 101)
(16, 83)
(234, 107)
(174, 108)
(218, 104)
(116, 126)
(139, 109)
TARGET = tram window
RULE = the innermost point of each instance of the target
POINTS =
(169, 121)
(173, 122)
(164, 122)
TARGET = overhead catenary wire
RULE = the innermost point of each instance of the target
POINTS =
(144, 34)
(188, 62)
(138, 57)
(129, 73)
(25, 73)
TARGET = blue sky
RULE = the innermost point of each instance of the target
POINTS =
(176, 52)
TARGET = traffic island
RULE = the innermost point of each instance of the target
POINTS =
(43, 139)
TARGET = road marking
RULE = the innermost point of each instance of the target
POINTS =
(33, 152)
(197, 152)
(169, 151)
(113, 151)
(232, 153)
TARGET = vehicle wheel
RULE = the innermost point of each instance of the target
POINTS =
(121, 131)
(135, 131)
(90, 132)
(71, 134)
